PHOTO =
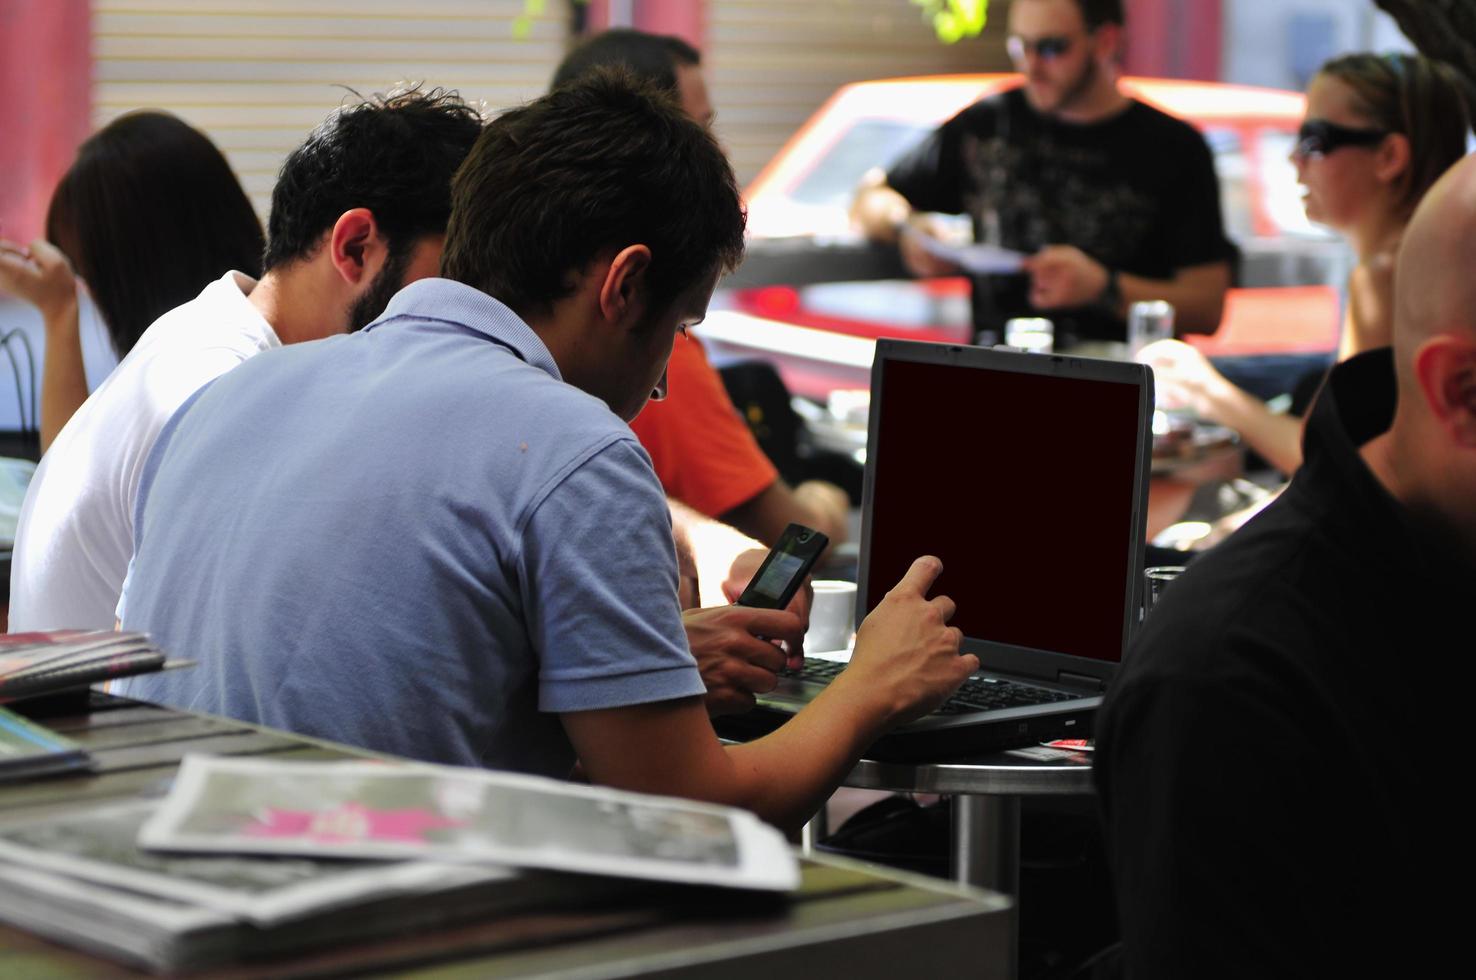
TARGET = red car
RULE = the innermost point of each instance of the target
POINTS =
(813, 295)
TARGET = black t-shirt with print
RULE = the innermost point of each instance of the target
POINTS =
(1137, 192)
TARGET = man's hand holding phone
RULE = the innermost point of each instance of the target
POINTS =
(736, 654)
(745, 567)
(741, 648)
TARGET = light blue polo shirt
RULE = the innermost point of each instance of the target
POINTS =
(416, 538)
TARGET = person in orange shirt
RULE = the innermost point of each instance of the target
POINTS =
(702, 449)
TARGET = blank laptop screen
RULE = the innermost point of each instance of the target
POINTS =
(1023, 485)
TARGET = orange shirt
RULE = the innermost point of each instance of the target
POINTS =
(704, 453)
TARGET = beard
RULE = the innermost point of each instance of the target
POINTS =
(391, 279)
(1078, 89)
(1071, 91)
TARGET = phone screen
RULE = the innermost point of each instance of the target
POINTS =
(785, 568)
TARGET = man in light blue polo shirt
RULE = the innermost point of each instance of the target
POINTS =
(438, 537)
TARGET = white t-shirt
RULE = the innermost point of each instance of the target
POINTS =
(75, 535)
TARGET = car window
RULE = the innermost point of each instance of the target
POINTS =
(869, 143)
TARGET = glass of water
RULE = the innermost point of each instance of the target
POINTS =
(1155, 580)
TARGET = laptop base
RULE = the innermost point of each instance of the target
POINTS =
(934, 738)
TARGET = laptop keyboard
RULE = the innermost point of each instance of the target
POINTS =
(976, 694)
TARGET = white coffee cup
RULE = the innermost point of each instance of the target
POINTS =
(832, 616)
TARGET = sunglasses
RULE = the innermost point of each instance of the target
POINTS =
(1044, 48)
(1318, 137)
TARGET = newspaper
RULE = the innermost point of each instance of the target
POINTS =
(100, 845)
(370, 810)
(978, 258)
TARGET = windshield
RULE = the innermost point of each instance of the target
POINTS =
(869, 143)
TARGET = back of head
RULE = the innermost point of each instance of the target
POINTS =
(1434, 291)
(598, 164)
(392, 154)
(1415, 96)
(652, 58)
(148, 214)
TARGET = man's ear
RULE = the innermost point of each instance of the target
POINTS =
(1445, 367)
(1392, 160)
(623, 292)
(355, 247)
(1107, 43)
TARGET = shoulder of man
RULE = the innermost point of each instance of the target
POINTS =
(985, 113)
(1166, 125)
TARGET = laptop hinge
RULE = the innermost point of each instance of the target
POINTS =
(1080, 680)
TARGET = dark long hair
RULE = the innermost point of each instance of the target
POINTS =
(149, 214)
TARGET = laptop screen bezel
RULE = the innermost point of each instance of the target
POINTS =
(1047, 665)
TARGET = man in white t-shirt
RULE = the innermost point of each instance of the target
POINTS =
(359, 210)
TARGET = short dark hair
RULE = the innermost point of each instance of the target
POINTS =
(1098, 12)
(597, 164)
(651, 58)
(392, 154)
(148, 214)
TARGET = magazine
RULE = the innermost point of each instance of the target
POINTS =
(28, 749)
(372, 810)
(33, 664)
(101, 845)
(81, 879)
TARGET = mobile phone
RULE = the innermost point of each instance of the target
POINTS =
(784, 568)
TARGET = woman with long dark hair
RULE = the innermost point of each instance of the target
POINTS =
(147, 215)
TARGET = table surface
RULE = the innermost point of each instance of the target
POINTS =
(841, 917)
(996, 774)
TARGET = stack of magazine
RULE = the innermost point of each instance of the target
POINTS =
(35, 664)
(249, 859)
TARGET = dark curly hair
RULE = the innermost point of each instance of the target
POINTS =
(148, 214)
(392, 154)
(597, 164)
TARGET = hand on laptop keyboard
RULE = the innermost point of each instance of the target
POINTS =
(906, 654)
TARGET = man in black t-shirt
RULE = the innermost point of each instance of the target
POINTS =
(1278, 763)
(1113, 201)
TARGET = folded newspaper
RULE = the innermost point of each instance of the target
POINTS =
(81, 879)
(373, 810)
(33, 664)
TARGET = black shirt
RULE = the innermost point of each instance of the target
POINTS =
(1137, 192)
(1275, 761)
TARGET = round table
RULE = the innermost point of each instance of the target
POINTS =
(987, 791)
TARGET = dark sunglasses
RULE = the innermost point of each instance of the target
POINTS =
(1044, 48)
(1318, 138)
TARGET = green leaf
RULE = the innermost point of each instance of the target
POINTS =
(954, 20)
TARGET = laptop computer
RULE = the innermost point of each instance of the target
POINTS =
(1027, 474)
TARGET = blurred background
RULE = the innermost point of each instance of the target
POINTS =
(256, 75)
